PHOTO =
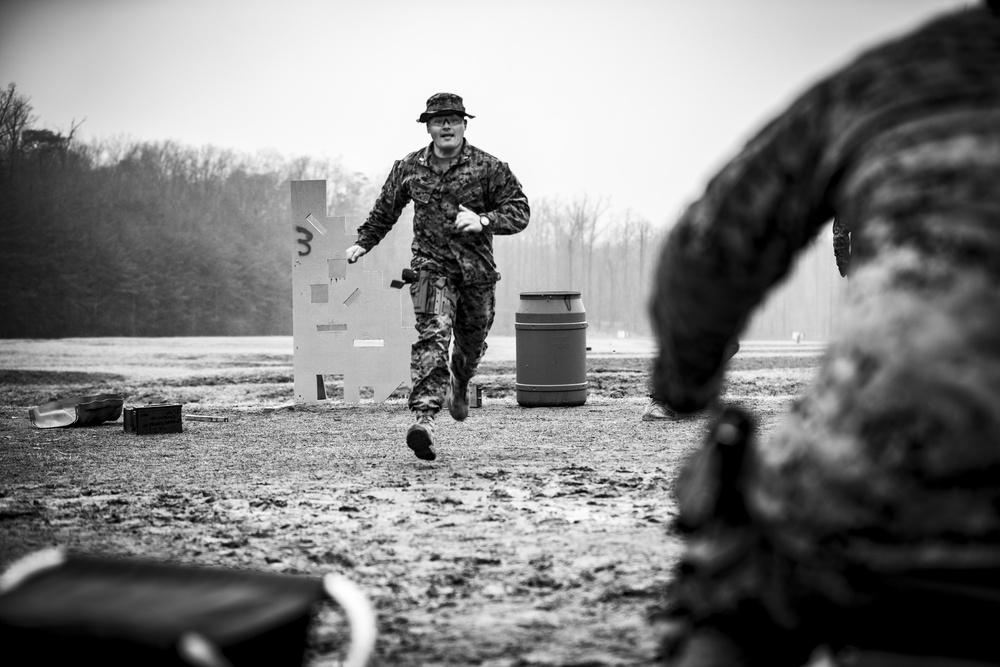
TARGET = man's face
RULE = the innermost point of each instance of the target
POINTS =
(447, 131)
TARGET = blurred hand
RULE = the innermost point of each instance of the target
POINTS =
(354, 253)
(467, 221)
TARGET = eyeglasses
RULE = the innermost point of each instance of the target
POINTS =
(438, 121)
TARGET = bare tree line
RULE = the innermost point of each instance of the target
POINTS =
(119, 237)
(126, 238)
(580, 245)
(610, 258)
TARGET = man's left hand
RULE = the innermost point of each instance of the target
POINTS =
(467, 221)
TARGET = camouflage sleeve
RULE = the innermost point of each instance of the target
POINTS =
(732, 245)
(842, 245)
(387, 209)
(511, 211)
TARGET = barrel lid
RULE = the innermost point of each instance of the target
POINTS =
(550, 295)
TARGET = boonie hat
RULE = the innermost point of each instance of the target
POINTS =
(443, 104)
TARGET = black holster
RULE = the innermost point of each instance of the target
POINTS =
(433, 296)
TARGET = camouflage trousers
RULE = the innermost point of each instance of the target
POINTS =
(468, 323)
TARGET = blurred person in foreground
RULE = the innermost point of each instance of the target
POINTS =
(462, 197)
(871, 515)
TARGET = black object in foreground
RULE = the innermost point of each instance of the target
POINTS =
(58, 609)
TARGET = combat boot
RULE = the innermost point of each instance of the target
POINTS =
(420, 436)
(458, 399)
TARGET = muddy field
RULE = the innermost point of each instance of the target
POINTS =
(540, 536)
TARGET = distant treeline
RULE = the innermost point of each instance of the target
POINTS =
(147, 240)
(125, 238)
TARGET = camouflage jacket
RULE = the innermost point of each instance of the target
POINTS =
(477, 180)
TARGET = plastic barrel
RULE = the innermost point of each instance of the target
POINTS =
(551, 336)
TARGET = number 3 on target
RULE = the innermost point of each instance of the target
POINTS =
(307, 237)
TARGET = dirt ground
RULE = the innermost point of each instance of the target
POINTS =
(540, 536)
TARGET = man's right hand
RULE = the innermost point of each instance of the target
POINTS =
(354, 253)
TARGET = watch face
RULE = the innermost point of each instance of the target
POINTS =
(484, 220)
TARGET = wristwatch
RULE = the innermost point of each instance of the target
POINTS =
(484, 221)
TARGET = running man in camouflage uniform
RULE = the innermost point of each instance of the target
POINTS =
(462, 197)
(883, 479)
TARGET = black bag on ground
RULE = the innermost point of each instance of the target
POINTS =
(81, 610)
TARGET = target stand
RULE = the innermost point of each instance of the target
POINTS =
(345, 321)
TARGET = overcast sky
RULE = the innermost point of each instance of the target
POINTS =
(638, 101)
